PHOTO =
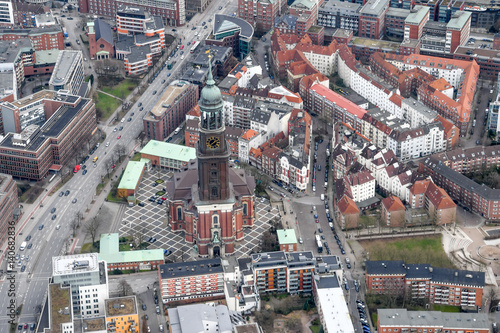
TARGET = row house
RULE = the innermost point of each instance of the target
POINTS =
(362, 185)
(293, 171)
(192, 281)
(245, 70)
(323, 58)
(478, 198)
(282, 95)
(248, 140)
(342, 161)
(290, 272)
(474, 159)
(305, 85)
(334, 107)
(396, 179)
(402, 320)
(422, 281)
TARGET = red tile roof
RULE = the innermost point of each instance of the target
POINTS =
(249, 134)
(341, 101)
(347, 206)
(393, 204)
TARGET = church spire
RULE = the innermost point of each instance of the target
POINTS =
(210, 79)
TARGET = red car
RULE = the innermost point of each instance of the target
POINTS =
(194, 42)
(25, 326)
(182, 47)
(114, 166)
(118, 137)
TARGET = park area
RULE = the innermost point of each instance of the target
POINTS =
(111, 94)
(416, 250)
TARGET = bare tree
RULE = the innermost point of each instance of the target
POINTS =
(74, 226)
(79, 218)
(120, 150)
(125, 288)
(138, 238)
(108, 164)
(91, 228)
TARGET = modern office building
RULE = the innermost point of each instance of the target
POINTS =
(230, 31)
(395, 21)
(88, 281)
(68, 73)
(47, 38)
(261, 13)
(170, 110)
(172, 11)
(193, 281)
(339, 14)
(37, 150)
(6, 13)
(415, 22)
(372, 19)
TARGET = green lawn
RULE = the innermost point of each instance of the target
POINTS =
(121, 90)
(137, 157)
(86, 248)
(446, 308)
(428, 249)
(107, 105)
(315, 328)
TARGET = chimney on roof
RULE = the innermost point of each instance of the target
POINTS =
(456, 273)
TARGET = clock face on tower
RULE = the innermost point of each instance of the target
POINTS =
(213, 142)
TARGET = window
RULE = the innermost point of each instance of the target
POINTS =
(214, 191)
(245, 208)
(179, 213)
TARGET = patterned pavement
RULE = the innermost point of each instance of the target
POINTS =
(151, 221)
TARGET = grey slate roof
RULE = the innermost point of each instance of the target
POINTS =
(289, 20)
(124, 43)
(138, 53)
(191, 268)
(461, 180)
(446, 320)
(103, 30)
(426, 271)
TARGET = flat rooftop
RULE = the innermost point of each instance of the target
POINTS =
(65, 65)
(60, 307)
(376, 43)
(417, 14)
(9, 51)
(171, 151)
(94, 324)
(169, 97)
(75, 264)
(374, 7)
(447, 320)
(34, 98)
(120, 306)
(132, 175)
(458, 20)
(335, 5)
(286, 236)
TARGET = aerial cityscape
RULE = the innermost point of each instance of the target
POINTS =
(249, 166)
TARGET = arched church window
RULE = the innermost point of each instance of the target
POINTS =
(214, 192)
(245, 208)
(179, 213)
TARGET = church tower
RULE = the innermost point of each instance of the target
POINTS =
(213, 151)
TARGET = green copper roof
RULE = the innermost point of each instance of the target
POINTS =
(210, 94)
(286, 236)
(132, 175)
(109, 251)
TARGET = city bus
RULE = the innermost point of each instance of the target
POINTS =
(195, 46)
(319, 244)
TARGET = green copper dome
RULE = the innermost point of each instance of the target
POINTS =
(210, 97)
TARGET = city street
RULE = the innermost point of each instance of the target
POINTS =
(31, 285)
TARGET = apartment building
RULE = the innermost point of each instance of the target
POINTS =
(421, 281)
(393, 212)
(192, 281)
(241, 111)
(170, 110)
(290, 272)
(6, 13)
(323, 58)
(46, 38)
(172, 12)
(395, 21)
(261, 13)
(24, 12)
(68, 73)
(426, 194)
(478, 198)
(342, 161)
(334, 107)
(402, 320)
(250, 139)
(37, 150)
(415, 22)
(122, 314)
(88, 281)
(339, 14)
(332, 306)
(372, 19)
(346, 213)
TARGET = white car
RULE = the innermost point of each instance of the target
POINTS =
(58, 227)
(107, 144)
(300, 240)
(123, 120)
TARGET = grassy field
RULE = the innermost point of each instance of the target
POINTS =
(121, 90)
(427, 250)
(445, 308)
(107, 105)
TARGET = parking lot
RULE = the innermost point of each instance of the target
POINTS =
(151, 221)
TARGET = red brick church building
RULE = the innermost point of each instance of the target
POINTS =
(211, 202)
